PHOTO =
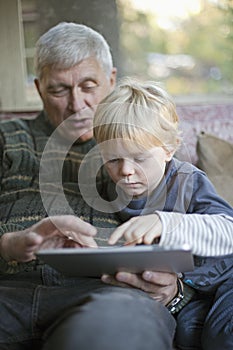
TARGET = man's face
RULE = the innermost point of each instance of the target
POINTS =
(72, 95)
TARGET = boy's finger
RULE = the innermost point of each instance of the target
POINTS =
(117, 234)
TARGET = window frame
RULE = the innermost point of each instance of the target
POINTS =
(12, 59)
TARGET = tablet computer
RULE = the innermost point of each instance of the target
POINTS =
(74, 262)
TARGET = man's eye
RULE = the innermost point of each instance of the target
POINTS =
(89, 86)
(58, 92)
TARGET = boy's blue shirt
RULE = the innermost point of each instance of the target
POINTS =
(184, 189)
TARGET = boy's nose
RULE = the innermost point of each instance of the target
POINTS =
(127, 167)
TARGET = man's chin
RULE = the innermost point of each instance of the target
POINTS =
(84, 137)
(76, 136)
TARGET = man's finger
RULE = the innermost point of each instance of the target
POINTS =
(64, 223)
(108, 279)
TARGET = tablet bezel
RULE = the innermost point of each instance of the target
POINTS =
(75, 262)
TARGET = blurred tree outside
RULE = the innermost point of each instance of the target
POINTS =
(193, 56)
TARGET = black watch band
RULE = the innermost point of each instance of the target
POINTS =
(173, 304)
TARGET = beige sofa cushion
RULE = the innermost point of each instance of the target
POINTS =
(215, 157)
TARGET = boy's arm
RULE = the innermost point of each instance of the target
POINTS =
(207, 235)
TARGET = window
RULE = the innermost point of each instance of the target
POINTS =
(187, 47)
(17, 92)
(31, 34)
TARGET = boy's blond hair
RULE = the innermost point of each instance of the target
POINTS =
(138, 111)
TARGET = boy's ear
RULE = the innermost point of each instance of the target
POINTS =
(169, 154)
(171, 151)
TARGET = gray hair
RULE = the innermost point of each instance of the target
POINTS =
(67, 44)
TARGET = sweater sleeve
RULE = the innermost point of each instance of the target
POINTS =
(207, 235)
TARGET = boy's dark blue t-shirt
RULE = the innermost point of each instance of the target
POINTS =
(184, 189)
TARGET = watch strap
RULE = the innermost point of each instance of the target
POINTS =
(184, 294)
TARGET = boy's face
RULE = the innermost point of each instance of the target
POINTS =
(138, 172)
(72, 95)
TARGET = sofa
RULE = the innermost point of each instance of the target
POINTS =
(207, 132)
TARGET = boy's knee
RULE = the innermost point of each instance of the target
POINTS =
(218, 333)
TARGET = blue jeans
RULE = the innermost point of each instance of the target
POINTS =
(42, 310)
(206, 323)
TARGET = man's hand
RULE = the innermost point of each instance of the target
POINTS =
(53, 232)
(161, 286)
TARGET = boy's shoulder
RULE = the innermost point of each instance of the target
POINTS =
(178, 166)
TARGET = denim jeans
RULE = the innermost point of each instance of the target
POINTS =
(42, 310)
(206, 323)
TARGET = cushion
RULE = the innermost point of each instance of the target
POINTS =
(215, 158)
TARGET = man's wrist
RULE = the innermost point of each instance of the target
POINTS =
(184, 294)
(3, 254)
(172, 305)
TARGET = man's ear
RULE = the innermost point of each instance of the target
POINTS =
(37, 84)
(113, 78)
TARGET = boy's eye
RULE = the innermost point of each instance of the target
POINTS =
(114, 160)
(139, 159)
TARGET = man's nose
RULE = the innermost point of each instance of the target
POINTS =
(76, 100)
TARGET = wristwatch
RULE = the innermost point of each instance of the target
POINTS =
(173, 305)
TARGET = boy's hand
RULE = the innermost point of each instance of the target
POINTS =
(141, 229)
